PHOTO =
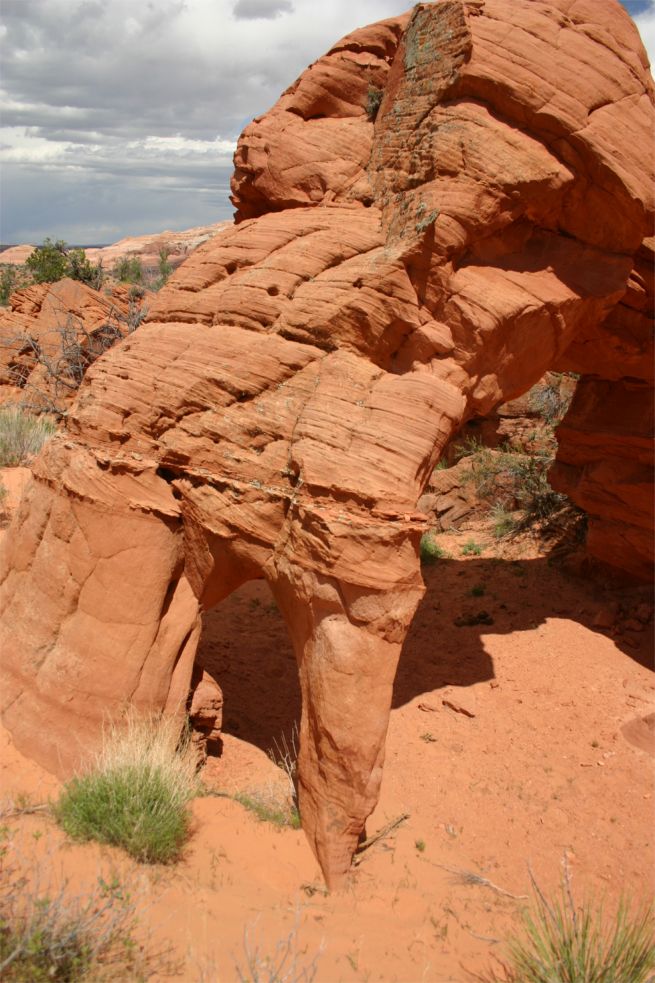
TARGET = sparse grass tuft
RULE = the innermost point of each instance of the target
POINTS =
(471, 548)
(562, 942)
(479, 590)
(22, 436)
(137, 793)
(269, 808)
(430, 550)
(503, 521)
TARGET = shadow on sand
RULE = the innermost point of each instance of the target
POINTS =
(246, 648)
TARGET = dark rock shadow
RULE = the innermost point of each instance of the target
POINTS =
(246, 648)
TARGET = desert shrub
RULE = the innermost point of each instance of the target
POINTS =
(504, 523)
(7, 284)
(505, 475)
(65, 367)
(137, 793)
(22, 435)
(165, 268)
(48, 263)
(55, 936)
(128, 269)
(562, 942)
(80, 268)
(54, 260)
(429, 549)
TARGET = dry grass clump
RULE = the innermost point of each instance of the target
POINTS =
(136, 795)
(55, 936)
(22, 436)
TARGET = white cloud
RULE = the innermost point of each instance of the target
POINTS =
(125, 115)
(646, 24)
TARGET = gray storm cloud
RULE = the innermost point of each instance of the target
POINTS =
(261, 9)
(121, 118)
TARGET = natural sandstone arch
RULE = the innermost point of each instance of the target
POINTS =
(283, 409)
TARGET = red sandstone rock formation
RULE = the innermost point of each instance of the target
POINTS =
(281, 412)
(47, 330)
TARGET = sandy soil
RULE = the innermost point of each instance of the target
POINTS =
(518, 742)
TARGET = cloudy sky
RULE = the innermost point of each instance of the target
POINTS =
(120, 118)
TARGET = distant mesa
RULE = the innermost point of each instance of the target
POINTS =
(146, 247)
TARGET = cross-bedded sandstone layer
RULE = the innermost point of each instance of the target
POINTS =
(281, 412)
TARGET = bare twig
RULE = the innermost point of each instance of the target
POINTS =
(12, 810)
(366, 844)
(470, 877)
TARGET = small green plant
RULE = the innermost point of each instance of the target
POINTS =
(128, 269)
(373, 102)
(269, 808)
(504, 523)
(22, 435)
(428, 737)
(563, 942)
(471, 548)
(7, 284)
(51, 935)
(420, 845)
(137, 793)
(165, 268)
(430, 550)
(479, 590)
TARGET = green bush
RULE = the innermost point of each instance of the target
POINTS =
(54, 260)
(22, 435)
(565, 943)
(165, 268)
(48, 263)
(136, 796)
(7, 284)
(128, 269)
(80, 268)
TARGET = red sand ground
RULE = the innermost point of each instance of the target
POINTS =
(517, 743)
